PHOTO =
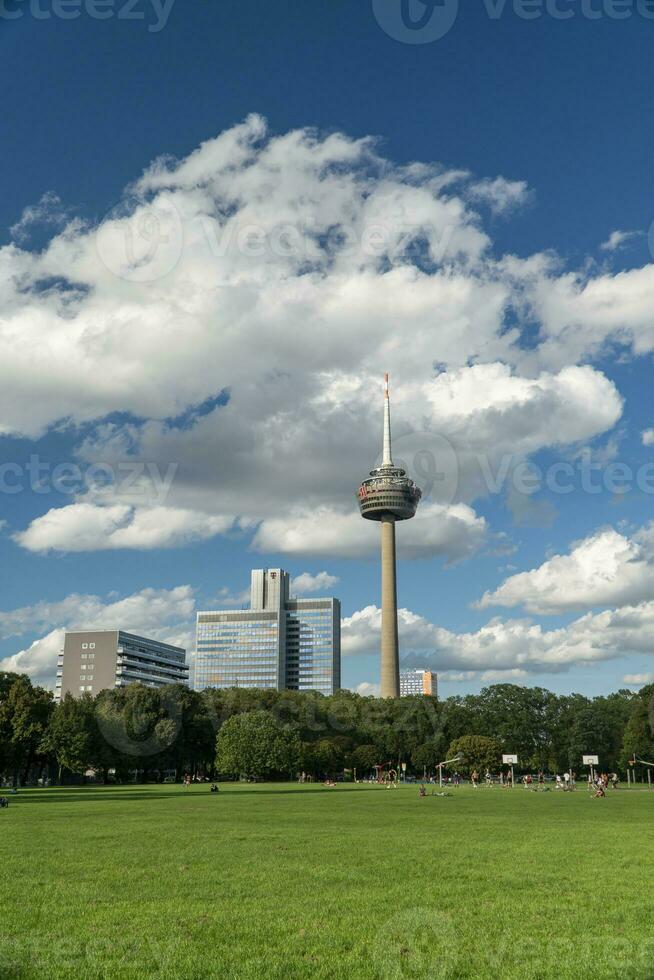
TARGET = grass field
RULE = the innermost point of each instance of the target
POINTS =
(303, 881)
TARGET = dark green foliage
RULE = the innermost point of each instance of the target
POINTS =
(141, 733)
(254, 744)
(477, 752)
(25, 713)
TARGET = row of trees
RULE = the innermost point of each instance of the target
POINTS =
(276, 734)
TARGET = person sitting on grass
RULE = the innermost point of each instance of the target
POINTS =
(422, 791)
(214, 788)
(599, 790)
(4, 802)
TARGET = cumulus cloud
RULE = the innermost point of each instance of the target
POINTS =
(48, 212)
(501, 195)
(583, 317)
(617, 239)
(238, 308)
(511, 676)
(604, 569)
(163, 614)
(368, 690)
(638, 680)
(454, 532)
(306, 582)
(86, 526)
(507, 645)
(647, 437)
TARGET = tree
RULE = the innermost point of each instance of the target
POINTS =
(638, 739)
(24, 714)
(478, 752)
(71, 733)
(254, 744)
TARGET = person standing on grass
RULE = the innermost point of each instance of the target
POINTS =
(474, 778)
(559, 784)
(489, 778)
(541, 779)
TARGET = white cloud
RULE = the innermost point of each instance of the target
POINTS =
(584, 317)
(604, 569)
(454, 532)
(647, 437)
(290, 261)
(306, 582)
(507, 645)
(500, 194)
(48, 212)
(89, 527)
(163, 614)
(368, 690)
(511, 676)
(638, 680)
(617, 239)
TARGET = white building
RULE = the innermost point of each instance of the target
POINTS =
(418, 681)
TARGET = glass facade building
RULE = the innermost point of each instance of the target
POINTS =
(279, 642)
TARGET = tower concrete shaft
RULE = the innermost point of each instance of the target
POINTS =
(390, 650)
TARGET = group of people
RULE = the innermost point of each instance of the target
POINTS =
(567, 782)
(599, 782)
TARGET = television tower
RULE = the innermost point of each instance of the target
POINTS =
(388, 496)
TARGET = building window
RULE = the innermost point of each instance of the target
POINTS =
(91, 646)
(85, 646)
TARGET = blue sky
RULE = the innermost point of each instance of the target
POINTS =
(517, 331)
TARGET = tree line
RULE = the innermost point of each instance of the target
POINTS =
(150, 733)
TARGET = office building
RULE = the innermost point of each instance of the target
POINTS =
(280, 642)
(418, 681)
(388, 496)
(94, 660)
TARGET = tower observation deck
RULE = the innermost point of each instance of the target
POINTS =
(387, 496)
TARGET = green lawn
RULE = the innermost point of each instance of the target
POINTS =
(358, 881)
